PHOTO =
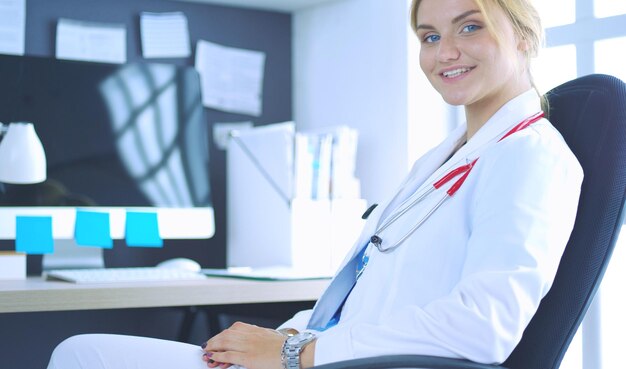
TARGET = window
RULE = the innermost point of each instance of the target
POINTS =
(609, 8)
(609, 56)
(553, 66)
(556, 12)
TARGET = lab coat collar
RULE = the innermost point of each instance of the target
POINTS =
(509, 115)
(423, 169)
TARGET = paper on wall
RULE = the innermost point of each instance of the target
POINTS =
(91, 41)
(232, 79)
(12, 26)
(164, 35)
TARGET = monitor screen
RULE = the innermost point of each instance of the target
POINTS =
(115, 137)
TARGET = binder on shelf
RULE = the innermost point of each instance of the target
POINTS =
(280, 211)
(259, 167)
(332, 151)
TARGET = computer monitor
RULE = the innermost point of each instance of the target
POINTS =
(116, 137)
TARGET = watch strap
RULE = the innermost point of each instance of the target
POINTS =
(292, 347)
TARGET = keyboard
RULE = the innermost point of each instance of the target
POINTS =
(113, 275)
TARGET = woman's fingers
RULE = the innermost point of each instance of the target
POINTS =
(246, 345)
(207, 357)
(231, 357)
(227, 340)
(238, 337)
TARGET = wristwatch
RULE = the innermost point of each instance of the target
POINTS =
(287, 332)
(293, 347)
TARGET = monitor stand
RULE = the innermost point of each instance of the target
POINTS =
(68, 255)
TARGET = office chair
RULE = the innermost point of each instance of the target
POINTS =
(590, 113)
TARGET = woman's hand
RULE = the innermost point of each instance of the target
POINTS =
(246, 345)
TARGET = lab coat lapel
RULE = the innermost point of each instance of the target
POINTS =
(422, 169)
(436, 165)
(512, 113)
(433, 165)
(425, 167)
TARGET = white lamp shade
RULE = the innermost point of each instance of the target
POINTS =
(22, 159)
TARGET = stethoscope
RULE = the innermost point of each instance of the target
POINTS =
(463, 171)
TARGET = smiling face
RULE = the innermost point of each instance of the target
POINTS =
(462, 59)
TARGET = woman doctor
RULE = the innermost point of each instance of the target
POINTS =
(456, 262)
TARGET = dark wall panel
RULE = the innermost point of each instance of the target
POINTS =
(30, 337)
(265, 31)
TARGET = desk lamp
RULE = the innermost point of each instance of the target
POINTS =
(22, 158)
(22, 161)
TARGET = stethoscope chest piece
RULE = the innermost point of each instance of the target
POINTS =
(376, 241)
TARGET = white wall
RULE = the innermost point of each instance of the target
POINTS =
(356, 62)
(350, 67)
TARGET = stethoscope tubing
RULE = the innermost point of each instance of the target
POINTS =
(413, 229)
(462, 170)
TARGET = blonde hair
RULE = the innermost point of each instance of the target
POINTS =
(526, 24)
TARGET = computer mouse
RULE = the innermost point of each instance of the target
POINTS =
(180, 263)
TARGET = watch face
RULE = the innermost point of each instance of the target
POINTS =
(300, 338)
(293, 340)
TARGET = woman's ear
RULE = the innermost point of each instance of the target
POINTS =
(522, 45)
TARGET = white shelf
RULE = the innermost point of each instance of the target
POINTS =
(276, 5)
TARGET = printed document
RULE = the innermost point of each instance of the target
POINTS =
(12, 26)
(232, 79)
(90, 41)
(164, 35)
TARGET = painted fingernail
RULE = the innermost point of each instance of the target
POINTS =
(203, 345)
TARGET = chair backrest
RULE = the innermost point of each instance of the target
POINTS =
(590, 113)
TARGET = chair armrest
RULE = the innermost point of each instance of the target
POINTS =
(407, 361)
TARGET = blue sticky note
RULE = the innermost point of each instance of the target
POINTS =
(33, 234)
(142, 230)
(93, 229)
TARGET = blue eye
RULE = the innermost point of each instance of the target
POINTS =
(471, 28)
(431, 38)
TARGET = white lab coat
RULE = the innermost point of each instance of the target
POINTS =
(468, 281)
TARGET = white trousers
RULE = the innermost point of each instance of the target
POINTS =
(108, 351)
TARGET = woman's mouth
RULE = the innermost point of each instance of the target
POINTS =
(455, 72)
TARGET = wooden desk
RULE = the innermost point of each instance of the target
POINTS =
(36, 294)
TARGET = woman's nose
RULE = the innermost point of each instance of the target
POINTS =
(448, 50)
